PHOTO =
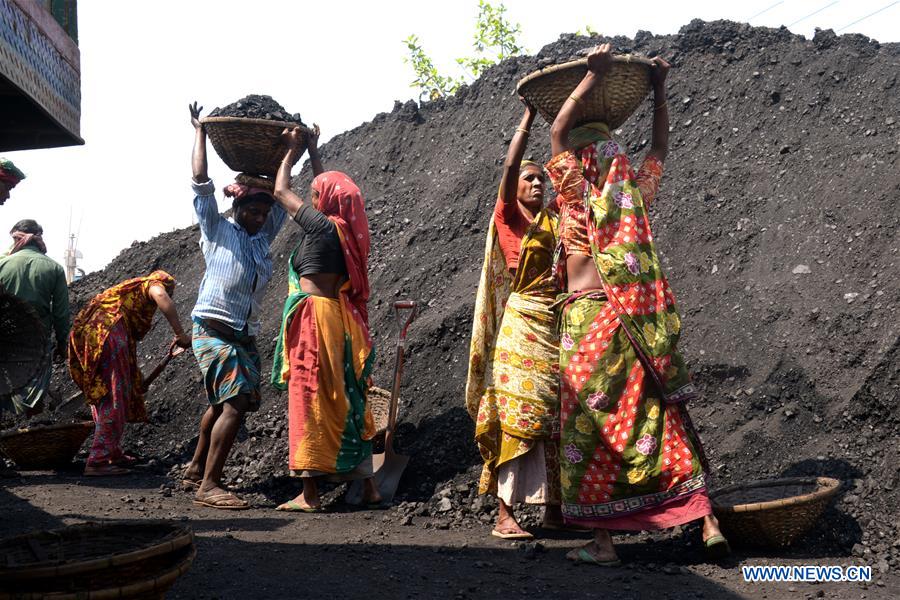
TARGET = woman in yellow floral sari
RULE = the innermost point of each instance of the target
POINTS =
(103, 361)
(512, 386)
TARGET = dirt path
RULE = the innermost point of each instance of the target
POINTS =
(261, 553)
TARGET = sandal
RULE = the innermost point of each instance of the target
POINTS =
(224, 501)
(511, 533)
(188, 485)
(583, 556)
(292, 506)
(105, 471)
(716, 546)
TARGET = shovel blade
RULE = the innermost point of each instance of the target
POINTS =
(388, 470)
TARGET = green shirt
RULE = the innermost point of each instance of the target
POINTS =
(39, 280)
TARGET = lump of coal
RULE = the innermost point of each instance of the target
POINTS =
(256, 106)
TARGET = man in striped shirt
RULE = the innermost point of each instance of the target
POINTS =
(226, 317)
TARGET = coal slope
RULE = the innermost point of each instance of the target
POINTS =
(776, 219)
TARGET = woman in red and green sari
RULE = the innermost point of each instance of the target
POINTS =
(324, 352)
(512, 389)
(629, 457)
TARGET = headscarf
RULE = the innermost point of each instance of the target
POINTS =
(27, 231)
(341, 201)
(9, 174)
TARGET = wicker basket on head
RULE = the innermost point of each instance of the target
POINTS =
(96, 560)
(612, 101)
(45, 447)
(247, 145)
(772, 513)
(379, 400)
(23, 343)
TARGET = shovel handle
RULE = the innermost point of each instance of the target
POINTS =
(403, 325)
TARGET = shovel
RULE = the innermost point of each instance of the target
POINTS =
(389, 465)
(66, 410)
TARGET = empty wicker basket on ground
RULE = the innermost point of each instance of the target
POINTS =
(612, 101)
(96, 561)
(772, 513)
(45, 447)
(247, 145)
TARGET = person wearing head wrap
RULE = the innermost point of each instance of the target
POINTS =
(512, 387)
(629, 459)
(103, 361)
(10, 176)
(324, 353)
(226, 317)
(29, 274)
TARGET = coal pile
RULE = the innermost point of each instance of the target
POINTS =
(256, 106)
(776, 219)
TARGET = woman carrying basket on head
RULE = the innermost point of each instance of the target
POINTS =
(324, 352)
(103, 361)
(630, 459)
(512, 390)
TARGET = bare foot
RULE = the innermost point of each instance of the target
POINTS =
(710, 527)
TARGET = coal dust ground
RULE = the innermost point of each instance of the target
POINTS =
(777, 223)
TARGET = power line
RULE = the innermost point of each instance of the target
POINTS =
(814, 13)
(765, 11)
(867, 16)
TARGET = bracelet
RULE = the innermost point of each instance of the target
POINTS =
(576, 99)
(663, 105)
(523, 130)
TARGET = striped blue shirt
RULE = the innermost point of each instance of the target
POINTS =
(238, 265)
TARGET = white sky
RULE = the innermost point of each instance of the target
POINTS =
(337, 63)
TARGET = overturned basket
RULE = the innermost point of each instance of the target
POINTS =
(774, 512)
(247, 145)
(45, 447)
(612, 101)
(96, 560)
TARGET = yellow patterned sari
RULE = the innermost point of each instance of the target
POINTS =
(512, 390)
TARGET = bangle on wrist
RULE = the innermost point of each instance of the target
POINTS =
(523, 130)
(663, 105)
(576, 99)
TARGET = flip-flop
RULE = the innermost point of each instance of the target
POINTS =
(716, 546)
(105, 471)
(589, 559)
(295, 507)
(190, 484)
(518, 535)
(220, 501)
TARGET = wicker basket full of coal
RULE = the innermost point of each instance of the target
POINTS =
(775, 512)
(96, 560)
(612, 101)
(248, 145)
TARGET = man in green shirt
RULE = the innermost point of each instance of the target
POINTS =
(30, 275)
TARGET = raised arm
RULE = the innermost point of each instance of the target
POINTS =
(315, 160)
(659, 146)
(509, 182)
(284, 195)
(198, 157)
(167, 307)
(599, 61)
